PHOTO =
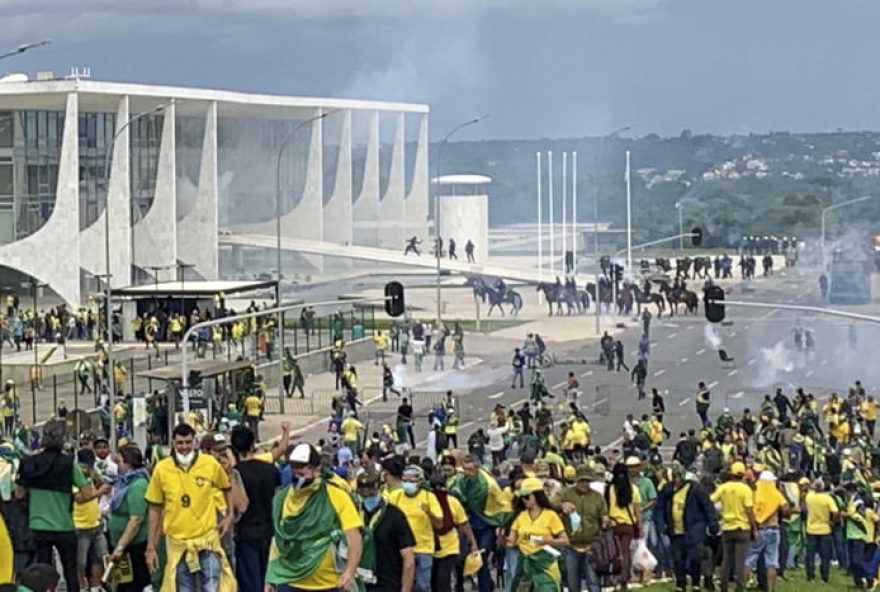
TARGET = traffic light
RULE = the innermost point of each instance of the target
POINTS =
(713, 302)
(394, 304)
(696, 236)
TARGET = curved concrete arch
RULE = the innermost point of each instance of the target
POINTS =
(417, 199)
(92, 245)
(392, 207)
(366, 206)
(53, 251)
(337, 211)
(155, 233)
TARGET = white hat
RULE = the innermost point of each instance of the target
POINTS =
(767, 476)
(633, 461)
(727, 410)
(301, 454)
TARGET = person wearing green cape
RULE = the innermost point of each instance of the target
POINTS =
(536, 529)
(317, 543)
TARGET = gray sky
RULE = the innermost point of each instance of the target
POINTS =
(541, 68)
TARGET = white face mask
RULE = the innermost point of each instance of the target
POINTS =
(185, 460)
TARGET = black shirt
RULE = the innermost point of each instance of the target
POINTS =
(260, 479)
(391, 535)
(405, 411)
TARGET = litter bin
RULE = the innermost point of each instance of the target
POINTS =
(357, 331)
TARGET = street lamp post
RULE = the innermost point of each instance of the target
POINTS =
(280, 320)
(680, 206)
(835, 207)
(107, 290)
(436, 185)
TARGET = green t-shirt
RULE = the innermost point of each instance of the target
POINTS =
(53, 510)
(648, 493)
(134, 504)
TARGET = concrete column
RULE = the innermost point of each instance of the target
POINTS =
(366, 207)
(154, 234)
(118, 207)
(338, 210)
(392, 208)
(52, 253)
(197, 232)
(417, 200)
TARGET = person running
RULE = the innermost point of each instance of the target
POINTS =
(388, 382)
(184, 494)
(307, 516)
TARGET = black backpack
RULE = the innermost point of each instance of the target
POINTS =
(604, 554)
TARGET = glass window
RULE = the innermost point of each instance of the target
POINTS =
(7, 135)
(6, 184)
(31, 129)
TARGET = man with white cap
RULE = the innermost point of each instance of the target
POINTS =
(769, 503)
(307, 517)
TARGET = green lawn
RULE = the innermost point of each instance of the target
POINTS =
(796, 582)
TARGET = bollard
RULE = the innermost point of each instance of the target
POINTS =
(54, 394)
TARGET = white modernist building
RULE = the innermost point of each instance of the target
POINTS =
(208, 160)
(464, 211)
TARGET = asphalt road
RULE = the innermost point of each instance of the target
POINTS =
(683, 352)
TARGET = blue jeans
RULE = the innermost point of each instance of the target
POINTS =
(511, 559)
(656, 545)
(286, 588)
(486, 541)
(205, 580)
(856, 552)
(578, 569)
(424, 562)
(766, 544)
(822, 545)
(517, 372)
(840, 549)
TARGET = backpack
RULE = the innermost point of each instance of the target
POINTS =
(604, 554)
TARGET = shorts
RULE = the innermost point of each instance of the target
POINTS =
(91, 544)
(767, 544)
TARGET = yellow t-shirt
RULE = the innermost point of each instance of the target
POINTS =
(418, 520)
(253, 406)
(187, 496)
(380, 341)
(265, 457)
(820, 506)
(656, 432)
(678, 500)
(87, 515)
(449, 542)
(623, 515)
(325, 577)
(869, 410)
(547, 524)
(349, 428)
(735, 497)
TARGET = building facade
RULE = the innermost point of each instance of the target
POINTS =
(199, 161)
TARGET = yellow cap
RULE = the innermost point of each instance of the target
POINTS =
(738, 469)
(569, 472)
(529, 486)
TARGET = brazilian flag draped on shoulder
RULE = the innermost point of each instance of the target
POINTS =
(534, 571)
(483, 497)
(302, 540)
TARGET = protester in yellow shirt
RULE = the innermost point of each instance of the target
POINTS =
(738, 525)
(351, 430)
(183, 507)
(424, 515)
(624, 510)
(536, 527)
(306, 516)
(868, 409)
(448, 543)
(253, 411)
(91, 545)
(380, 340)
(821, 510)
(768, 503)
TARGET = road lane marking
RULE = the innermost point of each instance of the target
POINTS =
(599, 402)
(683, 360)
(766, 316)
(558, 386)
(690, 327)
(587, 373)
(684, 402)
(738, 395)
(712, 384)
(746, 327)
(671, 336)
(659, 372)
(700, 352)
(752, 361)
(733, 333)
(809, 373)
(497, 395)
(823, 362)
(732, 372)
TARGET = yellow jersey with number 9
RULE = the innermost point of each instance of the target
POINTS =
(187, 496)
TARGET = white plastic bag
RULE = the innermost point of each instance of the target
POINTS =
(642, 559)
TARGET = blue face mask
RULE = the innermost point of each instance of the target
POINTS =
(410, 488)
(372, 502)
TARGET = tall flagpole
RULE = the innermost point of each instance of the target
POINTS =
(550, 196)
(564, 204)
(629, 255)
(574, 207)
(540, 221)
